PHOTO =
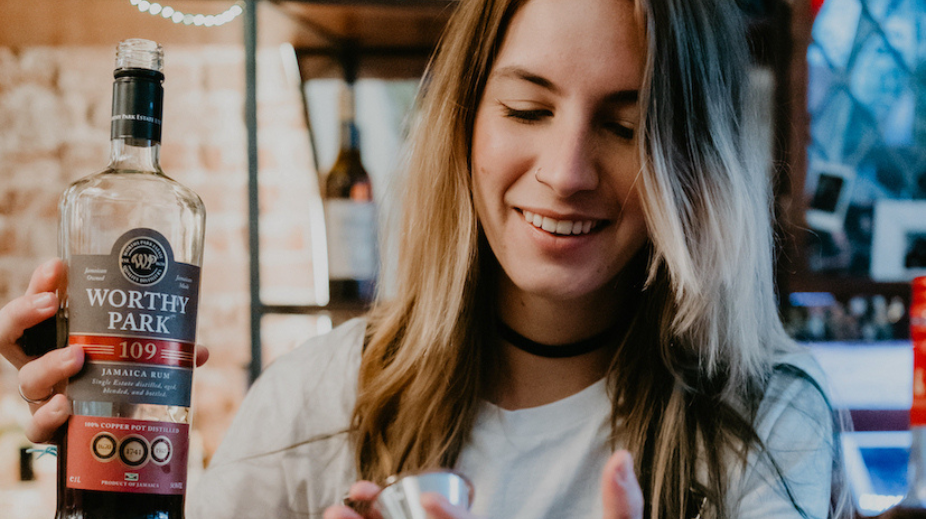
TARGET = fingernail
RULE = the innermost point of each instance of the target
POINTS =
(74, 352)
(44, 301)
(58, 410)
(48, 268)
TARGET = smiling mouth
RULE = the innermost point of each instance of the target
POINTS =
(561, 227)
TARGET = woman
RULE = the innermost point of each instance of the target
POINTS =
(585, 322)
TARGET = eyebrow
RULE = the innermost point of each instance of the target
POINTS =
(628, 96)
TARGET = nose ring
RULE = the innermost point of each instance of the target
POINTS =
(537, 175)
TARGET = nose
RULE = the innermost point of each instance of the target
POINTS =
(569, 165)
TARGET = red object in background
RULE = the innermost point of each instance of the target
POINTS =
(815, 6)
(918, 336)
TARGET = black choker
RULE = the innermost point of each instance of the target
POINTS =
(560, 351)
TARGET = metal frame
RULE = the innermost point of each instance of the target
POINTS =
(258, 308)
(349, 54)
(250, 119)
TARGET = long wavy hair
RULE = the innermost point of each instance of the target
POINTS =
(699, 347)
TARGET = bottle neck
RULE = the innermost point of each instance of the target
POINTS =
(136, 122)
(350, 138)
(135, 155)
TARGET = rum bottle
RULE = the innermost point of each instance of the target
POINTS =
(132, 240)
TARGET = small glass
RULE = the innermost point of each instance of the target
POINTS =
(401, 499)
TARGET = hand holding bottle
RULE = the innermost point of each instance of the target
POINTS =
(40, 378)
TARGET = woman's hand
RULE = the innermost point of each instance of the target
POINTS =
(363, 493)
(39, 377)
(42, 379)
(620, 491)
(39, 303)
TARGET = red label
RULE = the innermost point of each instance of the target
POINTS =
(147, 351)
(119, 455)
(918, 335)
(918, 409)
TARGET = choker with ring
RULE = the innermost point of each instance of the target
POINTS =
(559, 351)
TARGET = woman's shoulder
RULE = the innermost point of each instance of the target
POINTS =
(291, 428)
(796, 375)
(797, 427)
(306, 393)
(796, 385)
(338, 349)
(798, 361)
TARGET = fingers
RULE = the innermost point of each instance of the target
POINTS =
(620, 491)
(202, 355)
(47, 419)
(38, 379)
(363, 491)
(48, 277)
(360, 499)
(37, 304)
(341, 512)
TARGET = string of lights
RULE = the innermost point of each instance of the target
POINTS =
(201, 20)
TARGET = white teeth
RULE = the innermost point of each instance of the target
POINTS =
(565, 227)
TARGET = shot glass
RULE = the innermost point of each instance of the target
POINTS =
(401, 499)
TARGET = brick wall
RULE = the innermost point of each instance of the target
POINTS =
(54, 129)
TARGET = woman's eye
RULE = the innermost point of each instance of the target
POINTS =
(621, 130)
(527, 116)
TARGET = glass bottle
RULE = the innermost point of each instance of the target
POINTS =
(350, 216)
(132, 239)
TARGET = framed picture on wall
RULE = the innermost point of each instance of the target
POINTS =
(830, 196)
(898, 248)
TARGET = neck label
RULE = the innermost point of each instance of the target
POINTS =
(137, 108)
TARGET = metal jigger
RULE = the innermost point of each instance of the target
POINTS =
(401, 499)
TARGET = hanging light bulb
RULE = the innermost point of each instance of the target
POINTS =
(200, 20)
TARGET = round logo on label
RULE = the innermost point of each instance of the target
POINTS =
(143, 261)
(161, 450)
(134, 451)
(103, 446)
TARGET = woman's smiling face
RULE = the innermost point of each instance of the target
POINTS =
(555, 159)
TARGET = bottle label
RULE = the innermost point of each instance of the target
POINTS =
(351, 239)
(134, 313)
(119, 455)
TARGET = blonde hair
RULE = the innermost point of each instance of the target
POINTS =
(423, 361)
(706, 327)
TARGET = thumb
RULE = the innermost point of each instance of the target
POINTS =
(620, 491)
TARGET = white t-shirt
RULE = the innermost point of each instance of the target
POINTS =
(287, 454)
(553, 454)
